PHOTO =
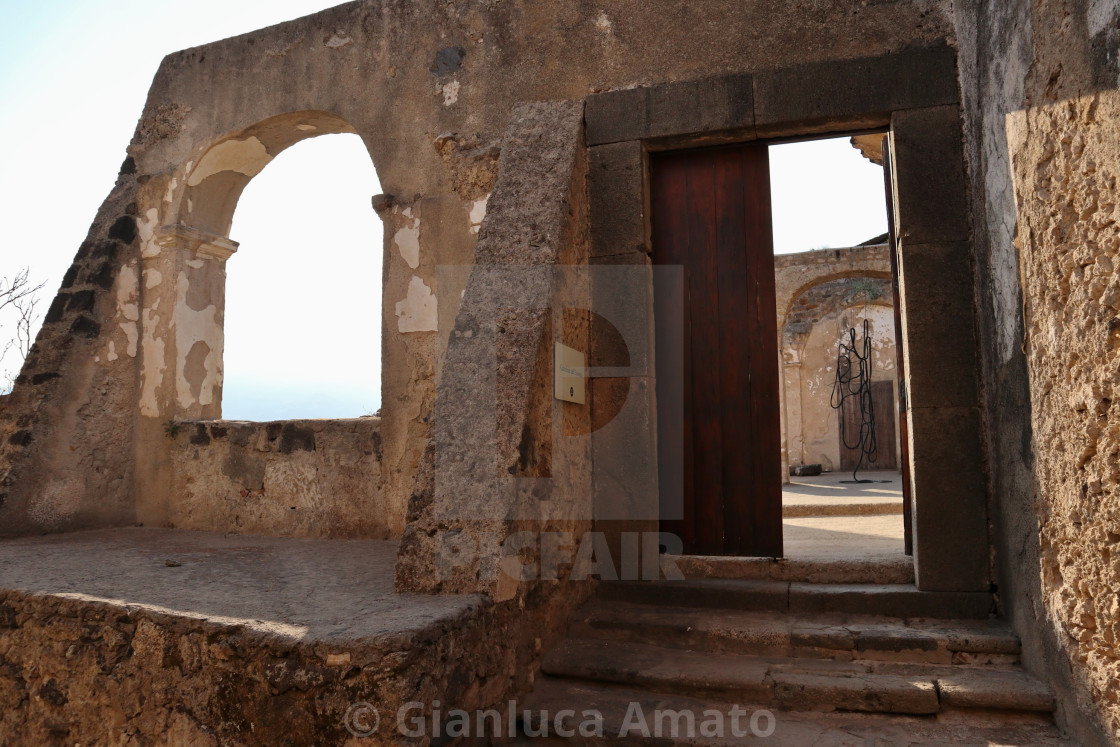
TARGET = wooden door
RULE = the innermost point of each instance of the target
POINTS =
(717, 352)
(882, 403)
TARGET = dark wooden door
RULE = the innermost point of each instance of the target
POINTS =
(882, 403)
(717, 352)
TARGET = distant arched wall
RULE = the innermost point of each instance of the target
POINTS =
(814, 435)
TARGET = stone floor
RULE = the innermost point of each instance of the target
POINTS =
(306, 589)
(849, 538)
(826, 519)
(834, 494)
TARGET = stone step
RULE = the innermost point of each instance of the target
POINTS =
(803, 510)
(624, 711)
(825, 636)
(799, 684)
(862, 571)
(894, 600)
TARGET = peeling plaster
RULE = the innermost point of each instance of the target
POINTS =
(246, 157)
(152, 278)
(132, 336)
(417, 311)
(407, 240)
(170, 194)
(146, 227)
(111, 355)
(154, 364)
(450, 93)
(192, 327)
(478, 213)
(340, 39)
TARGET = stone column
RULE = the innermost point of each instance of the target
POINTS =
(182, 315)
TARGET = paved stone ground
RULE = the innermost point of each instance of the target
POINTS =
(849, 538)
(829, 489)
(307, 589)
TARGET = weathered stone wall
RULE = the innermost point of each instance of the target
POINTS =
(80, 671)
(506, 456)
(429, 86)
(812, 425)
(297, 478)
(1039, 80)
(814, 290)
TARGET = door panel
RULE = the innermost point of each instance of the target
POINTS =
(882, 401)
(710, 212)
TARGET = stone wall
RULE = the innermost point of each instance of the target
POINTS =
(429, 86)
(1039, 79)
(815, 291)
(76, 670)
(297, 478)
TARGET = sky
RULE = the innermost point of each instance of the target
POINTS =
(74, 75)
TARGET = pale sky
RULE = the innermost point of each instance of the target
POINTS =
(303, 301)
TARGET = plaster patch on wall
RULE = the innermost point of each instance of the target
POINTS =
(603, 24)
(57, 503)
(132, 336)
(407, 239)
(128, 288)
(450, 93)
(478, 213)
(152, 278)
(111, 355)
(340, 39)
(170, 194)
(152, 367)
(146, 226)
(417, 311)
(306, 127)
(293, 485)
(246, 157)
(192, 327)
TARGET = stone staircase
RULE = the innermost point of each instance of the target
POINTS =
(835, 664)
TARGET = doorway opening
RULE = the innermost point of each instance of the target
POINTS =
(303, 293)
(786, 256)
(842, 492)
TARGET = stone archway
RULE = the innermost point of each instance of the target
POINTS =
(180, 307)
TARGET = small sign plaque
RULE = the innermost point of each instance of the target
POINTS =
(571, 375)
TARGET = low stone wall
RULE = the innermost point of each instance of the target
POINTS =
(75, 671)
(294, 478)
(201, 638)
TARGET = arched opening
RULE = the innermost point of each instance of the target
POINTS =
(303, 292)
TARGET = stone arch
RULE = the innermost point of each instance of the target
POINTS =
(183, 262)
(212, 184)
(824, 298)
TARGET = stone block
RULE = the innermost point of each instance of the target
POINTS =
(931, 189)
(684, 108)
(624, 457)
(950, 516)
(871, 693)
(891, 600)
(616, 179)
(854, 89)
(996, 690)
(805, 470)
(942, 359)
(717, 594)
(622, 298)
